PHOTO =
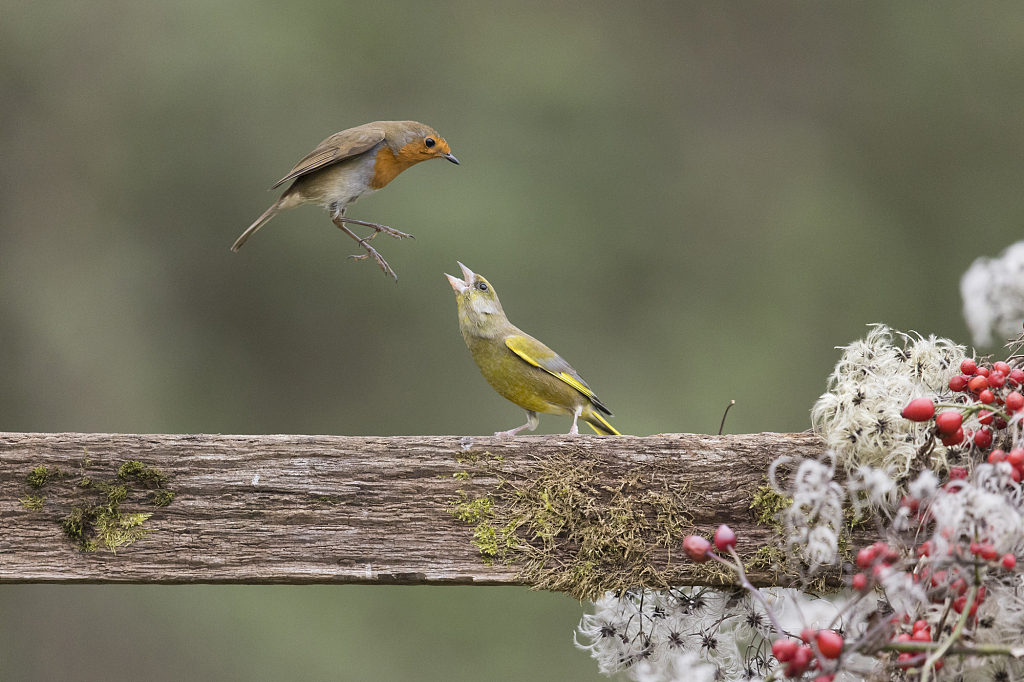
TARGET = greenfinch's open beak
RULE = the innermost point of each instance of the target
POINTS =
(450, 158)
(456, 283)
(467, 273)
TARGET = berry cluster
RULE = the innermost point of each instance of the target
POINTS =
(799, 655)
(990, 393)
(953, 581)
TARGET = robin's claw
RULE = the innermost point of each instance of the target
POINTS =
(378, 228)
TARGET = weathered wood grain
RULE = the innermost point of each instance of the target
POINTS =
(333, 509)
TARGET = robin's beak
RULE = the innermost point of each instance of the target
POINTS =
(456, 283)
(450, 158)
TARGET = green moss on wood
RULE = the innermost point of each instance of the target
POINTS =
(40, 476)
(95, 514)
(33, 502)
(143, 473)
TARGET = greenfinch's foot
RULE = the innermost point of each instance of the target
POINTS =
(379, 228)
(532, 420)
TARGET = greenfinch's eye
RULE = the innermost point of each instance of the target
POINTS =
(482, 286)
(429, 142)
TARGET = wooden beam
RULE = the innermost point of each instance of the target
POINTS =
(329, 509)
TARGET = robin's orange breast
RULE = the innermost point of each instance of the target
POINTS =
(388, 164)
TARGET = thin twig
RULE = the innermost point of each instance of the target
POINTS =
(722, 425)
(955, 635)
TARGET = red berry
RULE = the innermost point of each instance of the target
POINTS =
(905, 660)
(807, 634)
(830, 643)
(959, 603)
(911, 503)
(904, 637)
(926, 548)
(1015, 475)
(983, 438)
(921, 625)
(958, 437)
(938, 578)
(957, 473)
(1009, 562)
(860, 581)
(958, 383)
(981, 594)
(798, 664)
(988, 553)
(696, 548)
(865, 558)
(1000, 366)
(996, 379)
(984, 371)
(921, 636)
(948, 421)
(959, 586)
(825, 678)
(975, 548)
(985, 417)
(724, 538)
(1017, 376)
(996, 456)
(1014, 401)
(939, 663)
(968, 367)
(999, 423)
(1016, 457)
(978, 383)
(986, 396)
(783, 649)
(919, 410)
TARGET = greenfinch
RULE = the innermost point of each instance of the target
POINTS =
(519, 367)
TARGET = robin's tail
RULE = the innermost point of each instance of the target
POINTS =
(599, 424)
(260, 222)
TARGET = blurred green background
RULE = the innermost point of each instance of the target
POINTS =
(692, 202)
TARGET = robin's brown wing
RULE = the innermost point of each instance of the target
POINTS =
(337, 147)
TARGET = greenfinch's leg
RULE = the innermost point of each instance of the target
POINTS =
(531, 424)
(575, 430)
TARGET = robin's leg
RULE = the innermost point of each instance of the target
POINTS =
(339, 222)
(534, 420)
(378, 228)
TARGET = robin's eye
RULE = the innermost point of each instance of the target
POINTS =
(481, 286)
(429, 142)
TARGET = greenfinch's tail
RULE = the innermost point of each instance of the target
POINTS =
(598, 423)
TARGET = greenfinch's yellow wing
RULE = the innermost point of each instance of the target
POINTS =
(537, 354)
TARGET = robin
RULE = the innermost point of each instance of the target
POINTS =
(519, 367)
(352, 164)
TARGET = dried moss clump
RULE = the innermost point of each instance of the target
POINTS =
(575, 532)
